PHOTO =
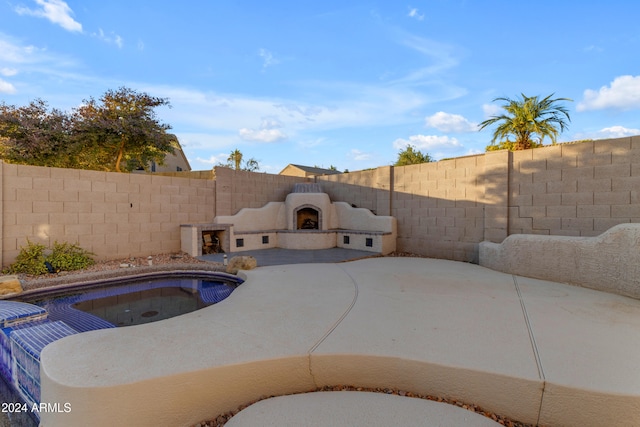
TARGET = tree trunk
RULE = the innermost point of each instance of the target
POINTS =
(120, 154)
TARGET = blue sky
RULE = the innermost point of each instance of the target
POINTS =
(343, 83)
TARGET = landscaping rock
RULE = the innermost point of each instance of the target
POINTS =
(10, 285)
(241, 263)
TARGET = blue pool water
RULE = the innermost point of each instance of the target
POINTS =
(133, 303)
(29, 323)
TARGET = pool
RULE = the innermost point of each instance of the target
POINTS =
(33, 320)
(133, 302)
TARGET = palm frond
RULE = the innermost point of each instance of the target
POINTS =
(529, 119)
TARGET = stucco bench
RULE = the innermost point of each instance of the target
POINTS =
(363, 240)
(609, 262)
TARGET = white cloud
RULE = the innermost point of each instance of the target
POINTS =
(111, 38)
(334, 105)
(352, 106)
(6, 87)
(446, 122)
(262, 135)
(35, 65)
(269, 131)
(214, 159)
(441, 55)
(474, 151)
(56, 11)
(8, 72)
(270, 123)
(413, 13)
(359, 156)
(267, 58)
(193, 142)
(606, 133)
(338, 105)
(491, 110)
(427, 142)
(14, 53)
(622, 94)
(617, 132)
(305, 144)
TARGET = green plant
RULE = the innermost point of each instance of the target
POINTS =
(411, 156)
(63, 257)
(528, 119)
(30, 260)
(68, 257)
(511, 146)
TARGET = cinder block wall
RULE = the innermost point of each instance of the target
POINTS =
(579, 189)
(114, 215)
(241, 189)
(369, 189)
(444, 209)
(204, 174)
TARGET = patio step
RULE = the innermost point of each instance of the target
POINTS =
(355, 409)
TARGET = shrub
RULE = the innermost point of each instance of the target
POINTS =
(69, 257)
(63, 257)
(30, 260)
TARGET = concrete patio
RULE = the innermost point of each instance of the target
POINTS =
(532, 350)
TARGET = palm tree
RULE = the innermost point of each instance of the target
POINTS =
(252, 165)
(529, 120)
(235, 158)
(235, 161)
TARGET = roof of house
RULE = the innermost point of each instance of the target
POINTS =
(313, 170)
(180, 152)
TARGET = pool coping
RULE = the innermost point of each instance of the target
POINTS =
(79, 278)
(116, 279)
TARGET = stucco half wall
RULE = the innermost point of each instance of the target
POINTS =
(609, 262)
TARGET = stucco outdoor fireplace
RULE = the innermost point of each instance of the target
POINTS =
(307, 219)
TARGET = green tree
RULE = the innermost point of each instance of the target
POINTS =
(122, 131)
(411, 156)
(252, 165)
(235, 158)
(529, 120)
(234, 161)
(118, 132)
(35, 135)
